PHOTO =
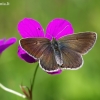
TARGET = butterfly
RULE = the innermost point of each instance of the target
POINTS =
(64, 53)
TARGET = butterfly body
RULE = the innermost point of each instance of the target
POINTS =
(64, 53)
(57, 52)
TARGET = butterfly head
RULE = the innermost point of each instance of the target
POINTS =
(54, 43)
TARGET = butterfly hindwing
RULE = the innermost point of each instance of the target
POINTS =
(35, 46)
(48, 61)
(71, 59)
(80, 43)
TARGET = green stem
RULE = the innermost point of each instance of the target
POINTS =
(33, 81)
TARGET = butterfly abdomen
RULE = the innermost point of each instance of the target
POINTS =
(57, 52)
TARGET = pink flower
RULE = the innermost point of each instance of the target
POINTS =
(28, 27)
(4, 44)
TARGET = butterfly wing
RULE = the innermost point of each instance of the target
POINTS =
(35, 46)
(73, 46)
(71, 59)
(80, 43)
(48, 61)
(40, 48)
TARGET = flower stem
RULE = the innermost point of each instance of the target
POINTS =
(33, 81)
(12, 91)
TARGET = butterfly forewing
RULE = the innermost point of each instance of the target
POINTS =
(35, 46)
(80, 43)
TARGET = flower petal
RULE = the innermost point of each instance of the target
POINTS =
(5, 44)
(24, 56)
(30, 28)
(58, 27)
(56, 72)
(2, 41)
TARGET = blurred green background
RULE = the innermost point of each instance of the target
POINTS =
(82, 84)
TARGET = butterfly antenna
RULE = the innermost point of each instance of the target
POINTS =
(62, 30)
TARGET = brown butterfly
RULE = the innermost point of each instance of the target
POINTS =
(65, 53)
